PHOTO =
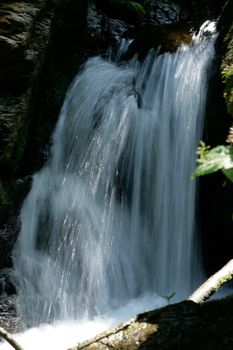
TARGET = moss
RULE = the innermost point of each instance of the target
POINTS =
(138, 8)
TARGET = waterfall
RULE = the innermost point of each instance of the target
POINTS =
(111, 216)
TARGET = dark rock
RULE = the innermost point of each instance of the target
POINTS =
(17, 22)
(25, 36)
(216, 192)
(8, 236)
(96, 30)
(29, 96)
(165, 12)
(129, 11)
(163, 38)
(201, 9)
(6, 285)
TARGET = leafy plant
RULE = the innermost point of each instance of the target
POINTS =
(227, 73)
(212, 160)
(137, 7)
(168, 297)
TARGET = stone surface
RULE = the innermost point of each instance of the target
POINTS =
(166, 12)
(25, 31)
(18, 21)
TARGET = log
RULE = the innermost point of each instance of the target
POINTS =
(190, 324)
(213, 284)
(8, 337)
(181, 326)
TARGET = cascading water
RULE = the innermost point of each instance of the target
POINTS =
(111, 216)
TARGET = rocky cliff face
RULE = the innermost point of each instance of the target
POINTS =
(41, 44)
(25, 29)
(24, 36)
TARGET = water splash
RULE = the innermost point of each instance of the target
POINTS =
(64, 335)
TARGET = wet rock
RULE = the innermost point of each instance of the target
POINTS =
(95, 27)
(8, 236)
(162, 38)
(8, 316)
(17, 22)
(117, 28)
(165, 12)
(6, 285)
(25, 31)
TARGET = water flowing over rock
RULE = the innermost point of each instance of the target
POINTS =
(111, 216)
(25, 29)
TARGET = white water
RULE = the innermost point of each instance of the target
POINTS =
(65, 334)
(110, 219)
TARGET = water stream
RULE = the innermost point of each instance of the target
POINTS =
(111, 218)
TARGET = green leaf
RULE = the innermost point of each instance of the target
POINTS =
(138, 7)
(228, 173)
(212, 160)
(168, 297)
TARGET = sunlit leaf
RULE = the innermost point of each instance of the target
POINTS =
(212, 160)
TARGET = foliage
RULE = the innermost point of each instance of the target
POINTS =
(227, 64)
(227, 76)
(212, 160)
(136, 6)
(227, 73)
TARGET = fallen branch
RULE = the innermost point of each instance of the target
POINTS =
(185, 325)
(213, 284)
(8, 337)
